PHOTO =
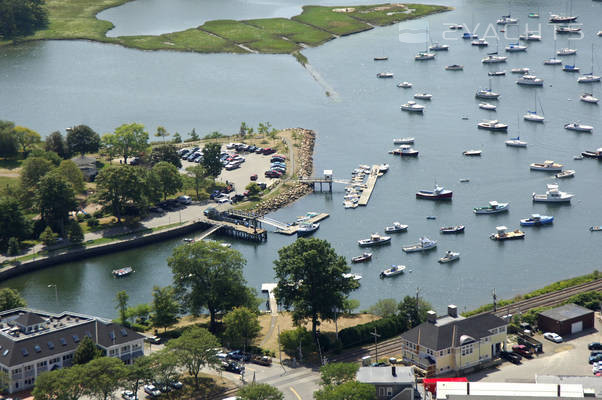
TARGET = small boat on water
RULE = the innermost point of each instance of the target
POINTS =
(363, 258)
(493, 208)
(449, 257)
(382, 58)
(515, 48)
(566, 52)
(530, 37)
(529, 80)
(486, 94)
(424, 244)
(515, 142)
(396, 228)
(537, 220)
(532, 116)
(496, 73)
(431, 217)
(501, 234)
(472, 153)
(423, 96)
(452, 229)
(595, 228)
(589, 98)
(507, 20)
(438, 193)
(355, 277)
(464, 180)
(454, 67)
(578, 157)
(405, 85)
(487, 106)
(570, 68)
(374, 240)
(454, 27)
(548, 165)
(405, 150)
(306, 229)
(493, 125)
(412, 106)
(424, 55)
(593, 154)
(566, 29)
(533, 15)
(522, 70)
(405, 140)
(436, 46)
(552, 195)
(561, 19)
(384, 75)
(494, 59)
(394, 270)
(188, 240)
(122, 272)
(480, 43)
(568, 173)
(577, 127)
(383, 168)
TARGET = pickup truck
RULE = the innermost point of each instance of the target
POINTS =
(522, 350)
(262, 360)
(533, 344)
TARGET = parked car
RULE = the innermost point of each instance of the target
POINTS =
(272, 174)
(239, 355)
(176, 385)
(230, 146)
(184, 199)
(254, 177)
(128, 395)
(214, 194)
(222, 200)
(232, 366)
(522, 350)
(595, 357)
(231, 166)
(259, 150)
(554, 337)
(252, 149)
(198, 159)
(594, 346)
(279, 169)
(597, 368)
(153, 340)
(237, 197)
(510, 356)
(267, 151)
(152, 390)
(278, 158)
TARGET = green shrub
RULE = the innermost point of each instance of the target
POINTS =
(92, 222)
(360, 334)
(98, 214)
(14, 246)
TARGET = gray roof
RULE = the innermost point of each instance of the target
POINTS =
(437, 337)
(404, 375)
(566, 312)
(81, 161)
(29, 319)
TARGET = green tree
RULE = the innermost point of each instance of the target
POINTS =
(51, 156)
(194, 136)
(14, 246)
(169, 177)
(338, 373)
(82, 139)
(103, 376)
(56, 143)
(75, 234)
(211, 161)
(297, 342)
(34, 168)
(347, 391)
(130, 139)
(310, 279)
(208, 275)
(165, 307)
(413, 311)
(21, 18)
(12, 221)
(122, 306)
(164, 367)
(138, 373)
(198, 174)
(55, 199)
(86, 351)
(162, 133)
(384, 308)
(243, 129)
(140, 313)
(195, 349)
(69, 170)
(8, 141)
(108, 145)
(177, 138)
(242, 327)
(60, 384)
(260, 391)
(10, 298)
(165, 152)
(26, 138)
(120, 188)
(253, 188)
(48, 237)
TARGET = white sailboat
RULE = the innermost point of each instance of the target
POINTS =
(532, 116)
(494, 58)
(589, 78)
(487, 93)
(553, 60)
(425, 55)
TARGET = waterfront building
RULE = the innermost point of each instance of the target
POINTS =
(453, 344)
(394, 383)
(32, 342)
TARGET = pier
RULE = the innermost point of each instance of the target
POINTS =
(370, 183)
(292, 229)
(269, 288)
(236, 224)
(327, 179)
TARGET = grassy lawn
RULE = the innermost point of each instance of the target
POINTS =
(293, 30)
(333, 22)
(188, 40)
(387, 14)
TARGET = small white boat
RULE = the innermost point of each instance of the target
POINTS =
(454, 27)
(493, 208)
(522, 70)
(449, 257)
(494, 59)
(561, 19)
(496, 73)
(566, 52)
(493, 125)
(397, 227)
(464, 180)
(394, 270)
(424, 244)
(383, 168)
(532, 116)
(530, 37)
(436, 46)
(374, 240)
(364, 257)
(382, 58)
(405, 140)
(596, 228)
(306, 229)
(480, 43)
(549, 166)
(529, 80)
(412, 107)
(405, 150)
(578, 157)
(487, 106)
(577, 127)
(515, 142)
(454, 67)
(588, 98)
(423, 96)
(552, 61)
(588, 78)
(533, 15)
(472, 153)
(405, 85)
(122, 272)
(384, 75)
(486, 94)
(507, 20)
(502, 234)
(552, 195)
(355, 277)
(350, 204)
(565, 29)
(515, 48)
(424, 55)
(568, 173)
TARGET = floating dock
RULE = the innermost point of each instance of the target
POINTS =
(367, 192)
(292, 229)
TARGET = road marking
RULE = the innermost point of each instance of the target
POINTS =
(295, 393)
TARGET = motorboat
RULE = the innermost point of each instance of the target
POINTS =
(438, 193)
(405, 150)
(412, 106)
(566, 29)
(515, 142)
(529, 80)
(502, 234)
(424, 244)
(595, 228)
(452, 229)
(363, 258)
(593, 154)
(537, 220)
(384, 75)
(405, 140)
(374, 240)
(521, 70)
(515, 48)
(568, 173)
(394, 270)
(188, 240)
(436, 46)
(454, 67)
(552, 195)
(423, 96)
(533, 15)
(549, 166)
(405, 85)
(496, 73)
(530, 37)
(396, 228)
(561, 19)
(472, 153)
(480, 43)
(383, 168)
(454, 27)
(552, 61)
(487, 106)
(350, 204)
(449, 257)
(464, 180)
(566, 52)
(570, 68)
(576, 126)
(355, 277)
(493, 208)
(122, 272)
(599, 33)
(493, 125)
(431, 217)
(424, 55)
(506, 20)
(588, 98)
(382, 58)
(306, 229)
(588, 78)
(578, 157)
(532, 116)
(494, 59)
(467, 36)
(486, 94)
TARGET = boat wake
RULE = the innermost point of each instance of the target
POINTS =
(330, 92)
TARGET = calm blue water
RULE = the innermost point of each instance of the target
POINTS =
(105, 86)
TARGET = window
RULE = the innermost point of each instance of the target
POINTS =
(5, 353)
(125, 349)
(381, 391)
(448, 351)
(28, 367)
(37, 348)
(63, 341)
(123, 332)
(88, 334)
(112, 335)
(42, 364)
(75, 338)
(50, 345)
(24, 352)
(503, 329)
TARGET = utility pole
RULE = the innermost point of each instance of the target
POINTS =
(376, 336)
(494, 299)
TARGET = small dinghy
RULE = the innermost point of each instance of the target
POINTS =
(363, 258)
(452, 229)
(449, 257)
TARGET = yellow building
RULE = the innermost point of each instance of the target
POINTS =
(453, 344)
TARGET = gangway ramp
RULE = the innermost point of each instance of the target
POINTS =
(208, 232)
(272, 222)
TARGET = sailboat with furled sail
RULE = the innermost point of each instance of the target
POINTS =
(589, 78)
(532, 116)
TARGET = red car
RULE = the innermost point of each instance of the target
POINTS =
(254, 177)
(268, 151)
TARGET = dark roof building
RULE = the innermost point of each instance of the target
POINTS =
(391, 383)
(32, 342)
(566, 320)
(87, 165)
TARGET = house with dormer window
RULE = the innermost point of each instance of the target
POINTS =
(32, 342)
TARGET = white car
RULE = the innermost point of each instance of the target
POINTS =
(184, 199)
(597, 367)
(152, 390)
(554, 337)
(223, 200)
